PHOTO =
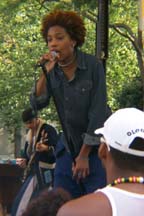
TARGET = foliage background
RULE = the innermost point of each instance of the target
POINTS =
(22, 46)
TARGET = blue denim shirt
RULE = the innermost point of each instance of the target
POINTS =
(81, 102)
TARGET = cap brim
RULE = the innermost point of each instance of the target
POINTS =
(99, 131)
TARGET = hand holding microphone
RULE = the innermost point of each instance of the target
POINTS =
(48, 60)
(54, 55)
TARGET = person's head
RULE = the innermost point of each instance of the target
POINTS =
(123, 139)
(47, 203)
(63, 31)
(29, 118)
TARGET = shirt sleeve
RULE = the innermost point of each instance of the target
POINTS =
(43, 100)
(97, 111)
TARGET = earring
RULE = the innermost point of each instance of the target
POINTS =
(73, 44)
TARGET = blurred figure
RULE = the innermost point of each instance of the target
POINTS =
(38, 159)
(47, 203)
(122, 154)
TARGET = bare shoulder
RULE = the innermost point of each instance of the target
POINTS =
(92, 204)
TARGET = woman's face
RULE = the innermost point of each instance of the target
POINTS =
(60, 41)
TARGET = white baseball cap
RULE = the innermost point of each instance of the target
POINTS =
(121, 128)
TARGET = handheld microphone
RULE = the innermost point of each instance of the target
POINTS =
(43, 62)
(54, 54)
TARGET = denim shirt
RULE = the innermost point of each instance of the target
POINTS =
(81, 102)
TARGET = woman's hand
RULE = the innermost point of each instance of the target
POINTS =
(49, 60)
(80, 168)
(21, 162)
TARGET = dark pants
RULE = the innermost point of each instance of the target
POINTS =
(63, 175)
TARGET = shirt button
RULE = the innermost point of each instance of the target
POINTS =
(66, 98)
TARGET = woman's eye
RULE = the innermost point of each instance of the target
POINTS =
(60, 38)
(49, 39)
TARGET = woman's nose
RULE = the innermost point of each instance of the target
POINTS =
(53, 43)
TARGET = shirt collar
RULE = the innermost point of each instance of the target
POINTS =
(80, 60)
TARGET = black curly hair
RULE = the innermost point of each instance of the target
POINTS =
(69, 20)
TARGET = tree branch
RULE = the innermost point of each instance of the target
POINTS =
(88, 16)
(119, 27)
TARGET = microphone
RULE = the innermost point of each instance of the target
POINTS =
(54, 54)
(43, 62)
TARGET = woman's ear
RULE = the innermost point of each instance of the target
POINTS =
(73, 43)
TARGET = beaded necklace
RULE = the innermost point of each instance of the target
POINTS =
(132, 179)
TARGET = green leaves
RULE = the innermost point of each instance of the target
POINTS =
(22, 46)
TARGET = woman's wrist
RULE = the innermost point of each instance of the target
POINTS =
(81, 157)
(84, 152)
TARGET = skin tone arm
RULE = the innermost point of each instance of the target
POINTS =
(92, 204)
(41, 83)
